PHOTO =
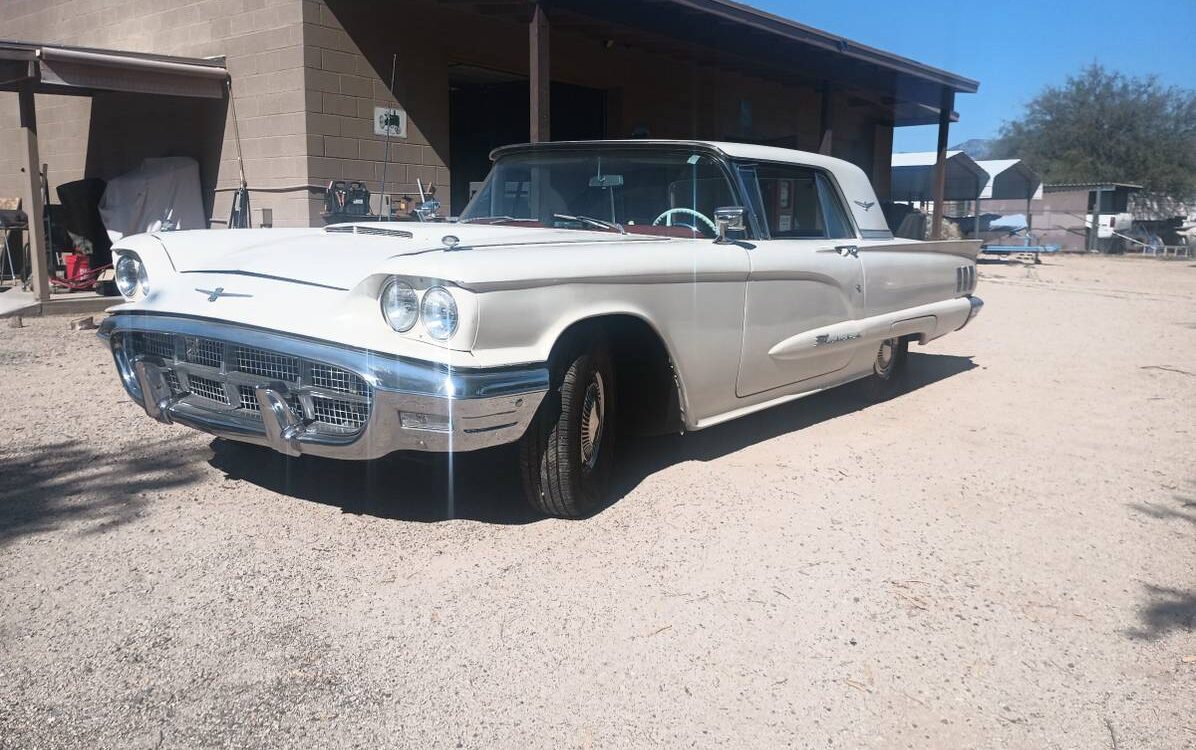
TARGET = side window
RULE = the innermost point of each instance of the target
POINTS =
(800, 203)
(838, 226)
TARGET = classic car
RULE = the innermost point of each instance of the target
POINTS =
(587, 290)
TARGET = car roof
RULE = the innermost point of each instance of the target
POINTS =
(730, 149)
(856, 186)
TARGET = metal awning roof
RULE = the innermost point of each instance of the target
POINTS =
(791, 30)
(752, 41)
(81, 71)
(1103, 186)
(913, 177)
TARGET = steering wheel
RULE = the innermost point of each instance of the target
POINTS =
(669, 216)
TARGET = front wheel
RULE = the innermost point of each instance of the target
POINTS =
(567, 453)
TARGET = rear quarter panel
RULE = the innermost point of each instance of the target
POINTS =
(902, 274)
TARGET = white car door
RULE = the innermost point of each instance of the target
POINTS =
(805, 286)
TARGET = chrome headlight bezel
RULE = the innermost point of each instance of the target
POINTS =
(394, 292)
(131, 278)
(439, 314)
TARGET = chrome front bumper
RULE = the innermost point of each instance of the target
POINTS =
(412, 404)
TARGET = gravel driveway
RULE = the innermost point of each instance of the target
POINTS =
(1005, 557)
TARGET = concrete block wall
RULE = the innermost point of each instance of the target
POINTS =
(348, 53)
(62, 139)
(262, 42)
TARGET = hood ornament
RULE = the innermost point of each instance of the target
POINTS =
(865, 204)
(218, 292)
(450, 241)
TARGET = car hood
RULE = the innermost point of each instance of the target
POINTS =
(342, 255)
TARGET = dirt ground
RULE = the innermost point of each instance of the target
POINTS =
(1004, 557)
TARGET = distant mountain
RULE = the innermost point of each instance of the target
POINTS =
(977, 148)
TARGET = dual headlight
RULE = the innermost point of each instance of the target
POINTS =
(130, 276)
(402, 307)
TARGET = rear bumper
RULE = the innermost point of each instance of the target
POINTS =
(976, 305)
(412, 404)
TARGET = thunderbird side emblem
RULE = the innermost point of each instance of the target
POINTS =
(865, 204)
(218, 292)
(823, 339)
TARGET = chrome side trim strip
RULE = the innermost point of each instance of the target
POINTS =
(271, 277)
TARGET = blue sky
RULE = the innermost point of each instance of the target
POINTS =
(1013, 49)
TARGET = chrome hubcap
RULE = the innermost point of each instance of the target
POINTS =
(593, 411)
(884, 357)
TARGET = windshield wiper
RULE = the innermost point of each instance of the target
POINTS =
(493, 219)
(592, 222)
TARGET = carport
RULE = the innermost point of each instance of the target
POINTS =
(1010, 179)
(966, 180)
(939, 177)
(913, 179)
(30, 69)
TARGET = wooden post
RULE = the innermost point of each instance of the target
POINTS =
(979, 192)
(540, 76)
(32, 198)
(826, 120)
(940, 165)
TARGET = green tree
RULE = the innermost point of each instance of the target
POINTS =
(1105, 126)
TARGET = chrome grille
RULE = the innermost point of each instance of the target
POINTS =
(154, 344)
(249, 398)
(346, 414)
(311, 388)
(249, 401)
(204, 351)
(269, 365)
(336, 379)
(209, 389)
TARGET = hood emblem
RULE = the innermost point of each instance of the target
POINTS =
(218, 292)
(865, 204)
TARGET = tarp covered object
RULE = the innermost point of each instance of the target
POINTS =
(1010, 221)
(160, 195)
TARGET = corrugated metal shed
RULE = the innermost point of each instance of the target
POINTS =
(913, 177)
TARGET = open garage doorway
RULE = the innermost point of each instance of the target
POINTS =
(488, 109)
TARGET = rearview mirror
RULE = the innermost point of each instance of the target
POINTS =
(607, 181)
(728, 219)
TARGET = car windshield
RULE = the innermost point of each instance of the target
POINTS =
(667, 192)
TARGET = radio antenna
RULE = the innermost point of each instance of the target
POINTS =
(394, 62)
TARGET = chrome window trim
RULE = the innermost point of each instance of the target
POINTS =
(834, 185)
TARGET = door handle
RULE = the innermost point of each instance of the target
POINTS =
(843, 250)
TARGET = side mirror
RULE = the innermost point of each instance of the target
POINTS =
(728, 219)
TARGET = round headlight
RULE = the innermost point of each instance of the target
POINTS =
(130, 276)
(439, 311)
(400, 305)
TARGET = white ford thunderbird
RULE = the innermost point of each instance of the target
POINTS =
(588, 289)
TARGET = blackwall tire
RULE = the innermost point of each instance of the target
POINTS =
(567, 454)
